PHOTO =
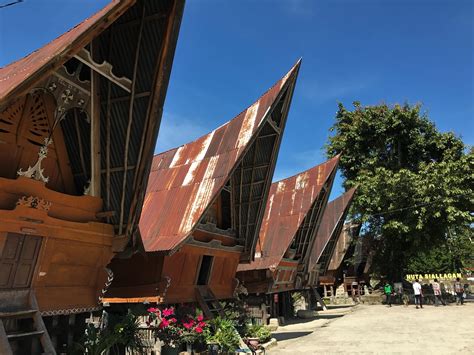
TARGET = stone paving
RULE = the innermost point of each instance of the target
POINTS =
(378, 329)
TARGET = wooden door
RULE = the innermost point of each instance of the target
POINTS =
(18, 260)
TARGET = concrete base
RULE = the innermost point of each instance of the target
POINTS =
(273, 324)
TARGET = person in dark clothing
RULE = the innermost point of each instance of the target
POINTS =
(459, 289)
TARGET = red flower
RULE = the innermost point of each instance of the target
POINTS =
(198, 330)
(188, 325)
(201, 324)
(168, 312)
(200, 318)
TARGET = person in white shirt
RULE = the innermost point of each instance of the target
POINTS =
(418, 294)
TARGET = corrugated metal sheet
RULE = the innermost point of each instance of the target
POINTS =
(19, 74)
(328, 232)
(290, 200)
(184, 181)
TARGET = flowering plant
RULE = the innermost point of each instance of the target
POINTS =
(177, 326)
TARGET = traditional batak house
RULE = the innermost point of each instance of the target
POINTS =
(79, 119)
(328, 236)
(339, 265)
(293, 213)
(203, 208)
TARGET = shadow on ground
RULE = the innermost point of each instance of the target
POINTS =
(292, 321)
(328, 316)
(335, 306)
(289, 335)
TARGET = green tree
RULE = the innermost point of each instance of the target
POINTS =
(415, 195)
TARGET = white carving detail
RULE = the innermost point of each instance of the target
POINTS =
(110, 278)
(36, 171)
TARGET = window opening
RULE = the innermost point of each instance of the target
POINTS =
(205, 270)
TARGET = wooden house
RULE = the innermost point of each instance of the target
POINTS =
(339, 263)
(79, 119)
(328, 235)
(204, 206)
(293, 213)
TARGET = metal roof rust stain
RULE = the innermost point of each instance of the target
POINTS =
(289, 202)
(25, 72)
(335, 211)
(185, 180)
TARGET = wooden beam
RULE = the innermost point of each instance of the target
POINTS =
(130, 119)
(79, 142)
(114, 100)
(104, 69)
(95, 132)
(273, 125)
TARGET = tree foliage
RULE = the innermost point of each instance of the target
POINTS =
(415, 187)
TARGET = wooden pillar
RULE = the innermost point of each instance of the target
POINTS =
(95, 132)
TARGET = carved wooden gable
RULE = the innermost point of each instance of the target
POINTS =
(24, 126)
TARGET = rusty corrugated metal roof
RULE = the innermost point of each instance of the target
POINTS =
(18, 76)
(335, 213)
(289, 202)
(123, 29)
(342, 247)
(185, 180)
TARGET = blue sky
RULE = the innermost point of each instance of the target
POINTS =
(230, 52)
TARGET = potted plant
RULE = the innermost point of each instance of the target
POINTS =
(178, 328)
(223, 334)
(256, 334)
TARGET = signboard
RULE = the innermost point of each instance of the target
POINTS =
(427, 277)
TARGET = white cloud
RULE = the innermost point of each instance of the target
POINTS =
(176, 131)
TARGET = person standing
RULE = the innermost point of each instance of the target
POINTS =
(418, 294)
(459, 289)
(437, 293)
(388, 293)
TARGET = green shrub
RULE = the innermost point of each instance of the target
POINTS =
(222, 332)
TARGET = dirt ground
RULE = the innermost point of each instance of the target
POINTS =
(378, 329)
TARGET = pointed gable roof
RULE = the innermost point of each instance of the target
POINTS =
(330, 229)
(138, 39)
(18, 77)
(184, 181)
(290, 201)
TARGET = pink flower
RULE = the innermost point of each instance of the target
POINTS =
(198, 330)
(188, 325)
(152, 310)
(168, 312)
(201, 324)
(164, 323)
(172, 320)
(200, 318)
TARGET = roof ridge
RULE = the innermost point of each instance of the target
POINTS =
(283, 78)
(315, 167)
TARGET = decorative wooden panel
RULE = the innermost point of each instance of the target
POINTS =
(18, 260)
(23, 128)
